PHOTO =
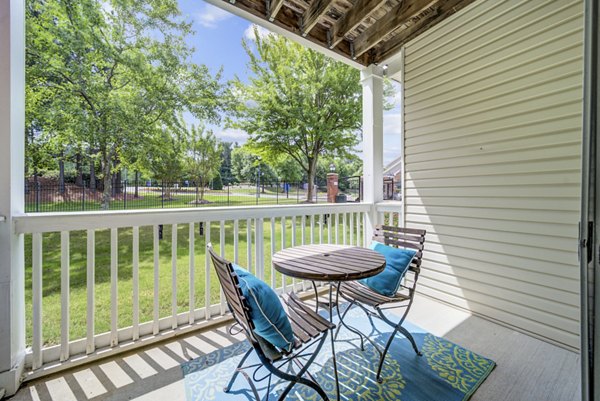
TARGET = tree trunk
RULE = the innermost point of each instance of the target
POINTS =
(61, 175)
(166, 190)
(107, 180)
(137, 178)
(118, 180)
(92, 174)
(312, 169)
(113, 183)
(79, 167)
(202, 188)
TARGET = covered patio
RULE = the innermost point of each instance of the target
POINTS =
(492, 168)
(154, 373)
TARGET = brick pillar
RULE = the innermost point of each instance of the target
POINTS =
(332, 187)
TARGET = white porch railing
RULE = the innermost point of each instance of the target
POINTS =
(390, 213)
(110, 243)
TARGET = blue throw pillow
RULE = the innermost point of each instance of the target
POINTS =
(267, 313)
(397, 261)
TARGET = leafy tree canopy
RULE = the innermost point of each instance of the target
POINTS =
(102, 74)
(298, 103)
(246, 165)
(203, 157)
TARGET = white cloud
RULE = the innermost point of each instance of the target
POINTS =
(232, 135)
(262, 32)
(210, 16)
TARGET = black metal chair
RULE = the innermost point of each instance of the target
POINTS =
(373, 303)
(309, 329)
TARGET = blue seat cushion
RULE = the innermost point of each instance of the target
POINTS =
(269, 318)
(397, 261)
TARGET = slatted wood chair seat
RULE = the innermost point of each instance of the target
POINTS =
(309, 329)
(367, 299)
(306, 323)
(365, 295)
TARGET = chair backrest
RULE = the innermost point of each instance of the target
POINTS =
(233, 293)
(403, 238)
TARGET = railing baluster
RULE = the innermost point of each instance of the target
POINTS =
(155, 311)
(303, 241)
(320, 229)
(303, 230)
(337, 228)
(312, 228)
(36, 284)
(366, 240)
(207, 272)
(273, 282)
(136, 283)
(236, 233)
(114, 276)
(91, 256)
(174, 276)
(260, 250)
(283, 246)
(345, 227)
(192, 253)
(329, 225)
(293, 244)
(64, 295)
(359, 241)
(222, 252)
(249, 244)
(352, 217)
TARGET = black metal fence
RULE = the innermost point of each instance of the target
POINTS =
(70, 197)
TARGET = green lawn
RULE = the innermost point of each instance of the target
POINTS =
(51, 304)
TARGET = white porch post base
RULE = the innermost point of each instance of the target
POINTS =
(12, 156)
(372, 83)
(11, 380)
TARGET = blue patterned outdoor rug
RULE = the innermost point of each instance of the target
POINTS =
(445, 372)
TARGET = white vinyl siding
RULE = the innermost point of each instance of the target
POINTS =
(492, 106)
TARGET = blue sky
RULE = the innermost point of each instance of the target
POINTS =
(218, 43)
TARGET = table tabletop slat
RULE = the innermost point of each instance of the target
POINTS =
(325, 262)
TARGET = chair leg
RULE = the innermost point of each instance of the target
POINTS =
(301, 380)
(410, 338)
(298, 377)
(384, 354)
(403, 331)
(352, 329)
(237, 371)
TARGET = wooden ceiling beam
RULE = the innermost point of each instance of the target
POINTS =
(392, 46)
(353, 18)
(274, 7)
(391, 21)
(312, 14)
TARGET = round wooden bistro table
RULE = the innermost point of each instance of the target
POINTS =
(332, 264)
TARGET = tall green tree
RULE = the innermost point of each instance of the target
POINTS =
(203, 158)
(247, 166)
(113, 70)
(164, 158)
(298, 102)
(287, 169)
(225, 170)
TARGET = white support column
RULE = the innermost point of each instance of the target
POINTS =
(372, 83)
(12, 156)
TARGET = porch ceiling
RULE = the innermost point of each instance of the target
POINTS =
(363, 31)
